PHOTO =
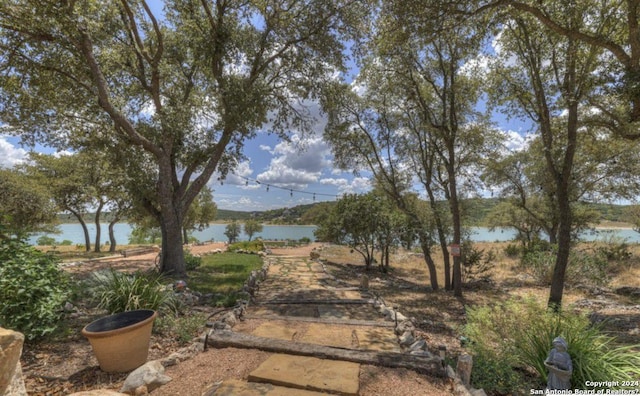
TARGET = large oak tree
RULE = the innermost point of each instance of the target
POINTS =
(176, 92)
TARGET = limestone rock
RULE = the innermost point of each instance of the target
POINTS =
(407, 339)
(151, 375)
(10, 351)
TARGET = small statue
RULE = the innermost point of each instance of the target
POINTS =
(559, 365)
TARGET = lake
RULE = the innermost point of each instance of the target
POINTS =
(73, 233)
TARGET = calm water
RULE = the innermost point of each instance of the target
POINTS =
(73, 232)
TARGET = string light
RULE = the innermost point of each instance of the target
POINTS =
(247, 181)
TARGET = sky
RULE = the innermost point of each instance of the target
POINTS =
(295, 172)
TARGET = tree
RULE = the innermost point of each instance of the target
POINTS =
(67, 180)
(412, 120)
(354, 222)
(252, 227)
(611, 27)
(549, 78)
(174, 94)
(232, 231)
(25, 205)
(201, 212)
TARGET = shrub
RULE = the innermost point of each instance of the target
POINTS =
(615, 249)
(191, 262)
(33, 290)
(118, 292)
(512, 250)
(585, 268)
(520, 334)
(46, 240)
(182, 328)
(251, 246)
(66, 242)
(476, 264)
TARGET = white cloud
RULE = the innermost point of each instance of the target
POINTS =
(357, 185)
(10, 155)
(514, 141)
(297, 163)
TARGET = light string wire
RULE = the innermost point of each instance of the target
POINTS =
(268, 186)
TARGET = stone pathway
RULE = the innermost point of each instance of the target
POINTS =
(304, 304)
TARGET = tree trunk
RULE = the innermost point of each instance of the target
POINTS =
(96, 247)
(85, 230)
(442, 239)
(431, 265)
(112, 235)
(457, 223)
(172, 262)
(185, 236)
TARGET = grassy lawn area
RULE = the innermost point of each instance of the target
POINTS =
(223, 274)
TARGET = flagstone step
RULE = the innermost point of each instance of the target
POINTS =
(243, 388)
(309, 373)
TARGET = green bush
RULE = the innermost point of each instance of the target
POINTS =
(46, 240)
(615, 249)
(118, 292)
(33, 290)
(586, 268)
(182, 328)
(512, 250)
(252, 246)
(191, 262)
(476, 263)
(520, 334)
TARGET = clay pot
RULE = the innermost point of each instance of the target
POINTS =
(121, 341)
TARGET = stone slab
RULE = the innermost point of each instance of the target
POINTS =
(10, 352)
(329, 335)
(241, 388)
(309, 373)
(377, 339)
(278, 331)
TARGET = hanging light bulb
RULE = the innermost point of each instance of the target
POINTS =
(267, 188)
(314, 196)
(246, 182)
(291, 193)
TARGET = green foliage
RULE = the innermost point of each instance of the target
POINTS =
(232, 231)
(191, 262)
(142, 234)
(25, 204)
(118, 292)
(32, 290)
(512, 250)
(586, 268)
(46, 240)
(67, 242)
(182, 328)
(495, 374)
(476, 263)
(614, 249)
(251, 246)
(251, 227)
(520, 334)
(305, 240)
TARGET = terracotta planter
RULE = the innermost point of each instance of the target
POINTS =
(121, 341)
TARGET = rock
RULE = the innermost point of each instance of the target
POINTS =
(314, 255)
(151, 375)
(230, 318)
(463, 368)
(364, 282)
(406, 339)
(420, 345)
(404, 326)
(11, 382)
(98, 392)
